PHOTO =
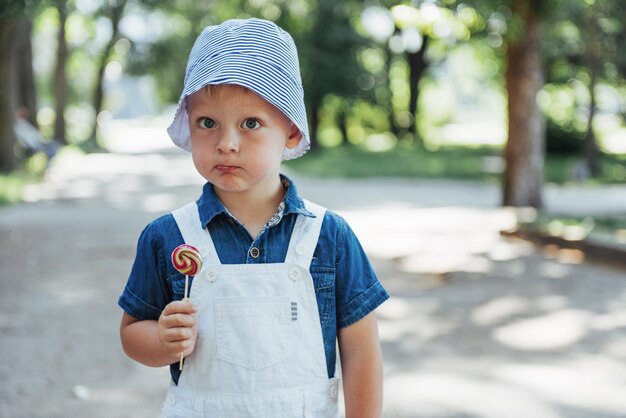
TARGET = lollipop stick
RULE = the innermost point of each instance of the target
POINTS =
(180, 364)
(188, 261)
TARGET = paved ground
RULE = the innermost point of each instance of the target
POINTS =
(478, 326)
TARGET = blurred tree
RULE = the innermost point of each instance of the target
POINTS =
(585, 49)
(23, 60)
(60, 87)
(164, 55)
(415, 28)
(516, 25)
(8, 28)
(593, 61)
(326, 41)
(16, 74)
(113, 10)
(524, 152)
(328, 58)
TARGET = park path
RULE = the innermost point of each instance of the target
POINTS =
(478, 326)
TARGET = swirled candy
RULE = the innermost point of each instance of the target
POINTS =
(187, 260)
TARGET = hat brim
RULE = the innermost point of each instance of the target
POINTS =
(254, 73)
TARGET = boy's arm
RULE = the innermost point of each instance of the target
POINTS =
(159, 343)
(362, 368)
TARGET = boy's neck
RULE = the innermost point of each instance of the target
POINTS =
(253, 208)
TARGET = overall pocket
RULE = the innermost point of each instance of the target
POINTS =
(254, 332)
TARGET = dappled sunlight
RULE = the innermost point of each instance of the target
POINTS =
(504, 250)
(159, 203)
(475, 324)
(554, 270)
(438, 262)
(499, 309)
(438, 240)
(430, 239)
(70, 296)
(617, 349)
(588, 381)
(410, 323)
(609, 321)
(141, 135)
(134, 164)
(552, 331)
(447, 394)
(121, 180)
(475, 351)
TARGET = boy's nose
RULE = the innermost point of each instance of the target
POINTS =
(229, 142)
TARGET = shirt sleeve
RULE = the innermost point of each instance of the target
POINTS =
(358, 290)
(146, 292)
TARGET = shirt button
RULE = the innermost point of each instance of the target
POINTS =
(294, 274)
(171, 399)
(333, 392)
(211, 275)
(300, 249)
(254, 252)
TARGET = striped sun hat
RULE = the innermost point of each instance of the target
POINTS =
(252, 53)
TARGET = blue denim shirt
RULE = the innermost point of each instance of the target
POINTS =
(346, 287)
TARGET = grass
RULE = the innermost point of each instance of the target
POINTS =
(449, 162)
(481, 164)
(606, 229)
(10, 188)
(353, 162)
(452, 162)
(31, 170)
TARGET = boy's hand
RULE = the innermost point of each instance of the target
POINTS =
(177, 328)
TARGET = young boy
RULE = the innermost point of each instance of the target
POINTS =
(282, 279)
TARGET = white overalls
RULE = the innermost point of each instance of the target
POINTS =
(260, 350)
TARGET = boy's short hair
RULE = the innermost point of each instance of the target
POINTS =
(255, 54)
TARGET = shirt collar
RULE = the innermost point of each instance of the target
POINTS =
(209, 205)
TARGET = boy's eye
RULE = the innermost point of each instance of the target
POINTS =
(251, 123)
(207, 123)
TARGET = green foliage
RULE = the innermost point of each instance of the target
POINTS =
(448, 162)
(20, 9)
(454, 162)
(609, 230)
(563, 139)
(562, 168)
(329, 45)
(10, 188)
(359, 84)
(32, 170)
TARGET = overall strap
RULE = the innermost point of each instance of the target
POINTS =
(305, 235)
(188, 220)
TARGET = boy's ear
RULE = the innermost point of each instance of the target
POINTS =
(294, 137)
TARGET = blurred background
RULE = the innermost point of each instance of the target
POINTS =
(473, 89)
(442, 130)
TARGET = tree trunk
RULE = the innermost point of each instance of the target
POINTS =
(342, 123)
(591, 146)
(591, 151)
(525, 149)
(315, 122)
(116, 15)
(26, 95)
(8, 162)
(60, 76)
(417, 67)
(391, 115)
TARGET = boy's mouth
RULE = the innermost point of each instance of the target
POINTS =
(226, 168)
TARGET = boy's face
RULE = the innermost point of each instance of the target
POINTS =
(237, 138)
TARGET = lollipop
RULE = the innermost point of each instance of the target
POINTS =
(188, 261)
